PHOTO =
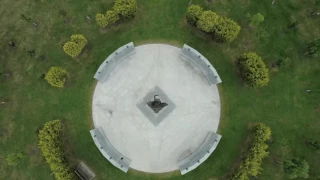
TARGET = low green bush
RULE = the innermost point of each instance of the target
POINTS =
(251, 163)
(253, 70)
(284, 63)
(314, 144)
(256, 19)
(75, 45)
(56, 76)
(261, 34)
(223, 30)
(193, 13)
(13, 158)
(313, 47)
(295, 168)
(126, 9)
(50, 143)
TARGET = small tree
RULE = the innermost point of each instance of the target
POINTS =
(313, 46)
(256, 19)
(13, 158)
(295, 168)
(56, 76)
(193, 14)
(125, 8)
(253, 70)
(208, 20)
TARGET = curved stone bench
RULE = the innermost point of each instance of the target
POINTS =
(108, 151)
(192, 161)
(113, 60)
(202, 63)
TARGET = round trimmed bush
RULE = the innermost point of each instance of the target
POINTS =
(193, 14)
(125, 8)
(71, 49)
(79, 39)
(253, 70)
(56, 76)
(74, 47)
(208, 20)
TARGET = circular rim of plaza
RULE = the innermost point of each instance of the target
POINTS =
(183, 136)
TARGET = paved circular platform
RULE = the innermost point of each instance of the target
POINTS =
(153, 148)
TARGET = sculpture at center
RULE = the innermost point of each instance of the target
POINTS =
(156, 105)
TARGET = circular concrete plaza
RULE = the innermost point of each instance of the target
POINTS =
(156, 148)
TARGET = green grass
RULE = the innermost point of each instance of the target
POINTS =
(292, 114)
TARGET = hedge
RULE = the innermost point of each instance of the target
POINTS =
(253, 70)
(125, 8)
(251, 163)
(104, 20)
(101, 20)
(75, 45)
(223, 30)
(50, 143)
(193, 13)
(208, 20)
(122, 9)
(56, 76)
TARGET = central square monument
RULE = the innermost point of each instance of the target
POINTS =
(156, 105)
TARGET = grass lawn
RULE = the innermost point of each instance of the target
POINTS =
(284, 105)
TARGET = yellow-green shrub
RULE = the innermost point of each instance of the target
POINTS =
(253, 70)
(193, 13)
(101, 20)
(75, 45)
(56, 76)
(251, 163)
(226, 30)
(105, 20)
(112, 17)
(50, 144)
(125, 8)
(222, 29)
(208, 20)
